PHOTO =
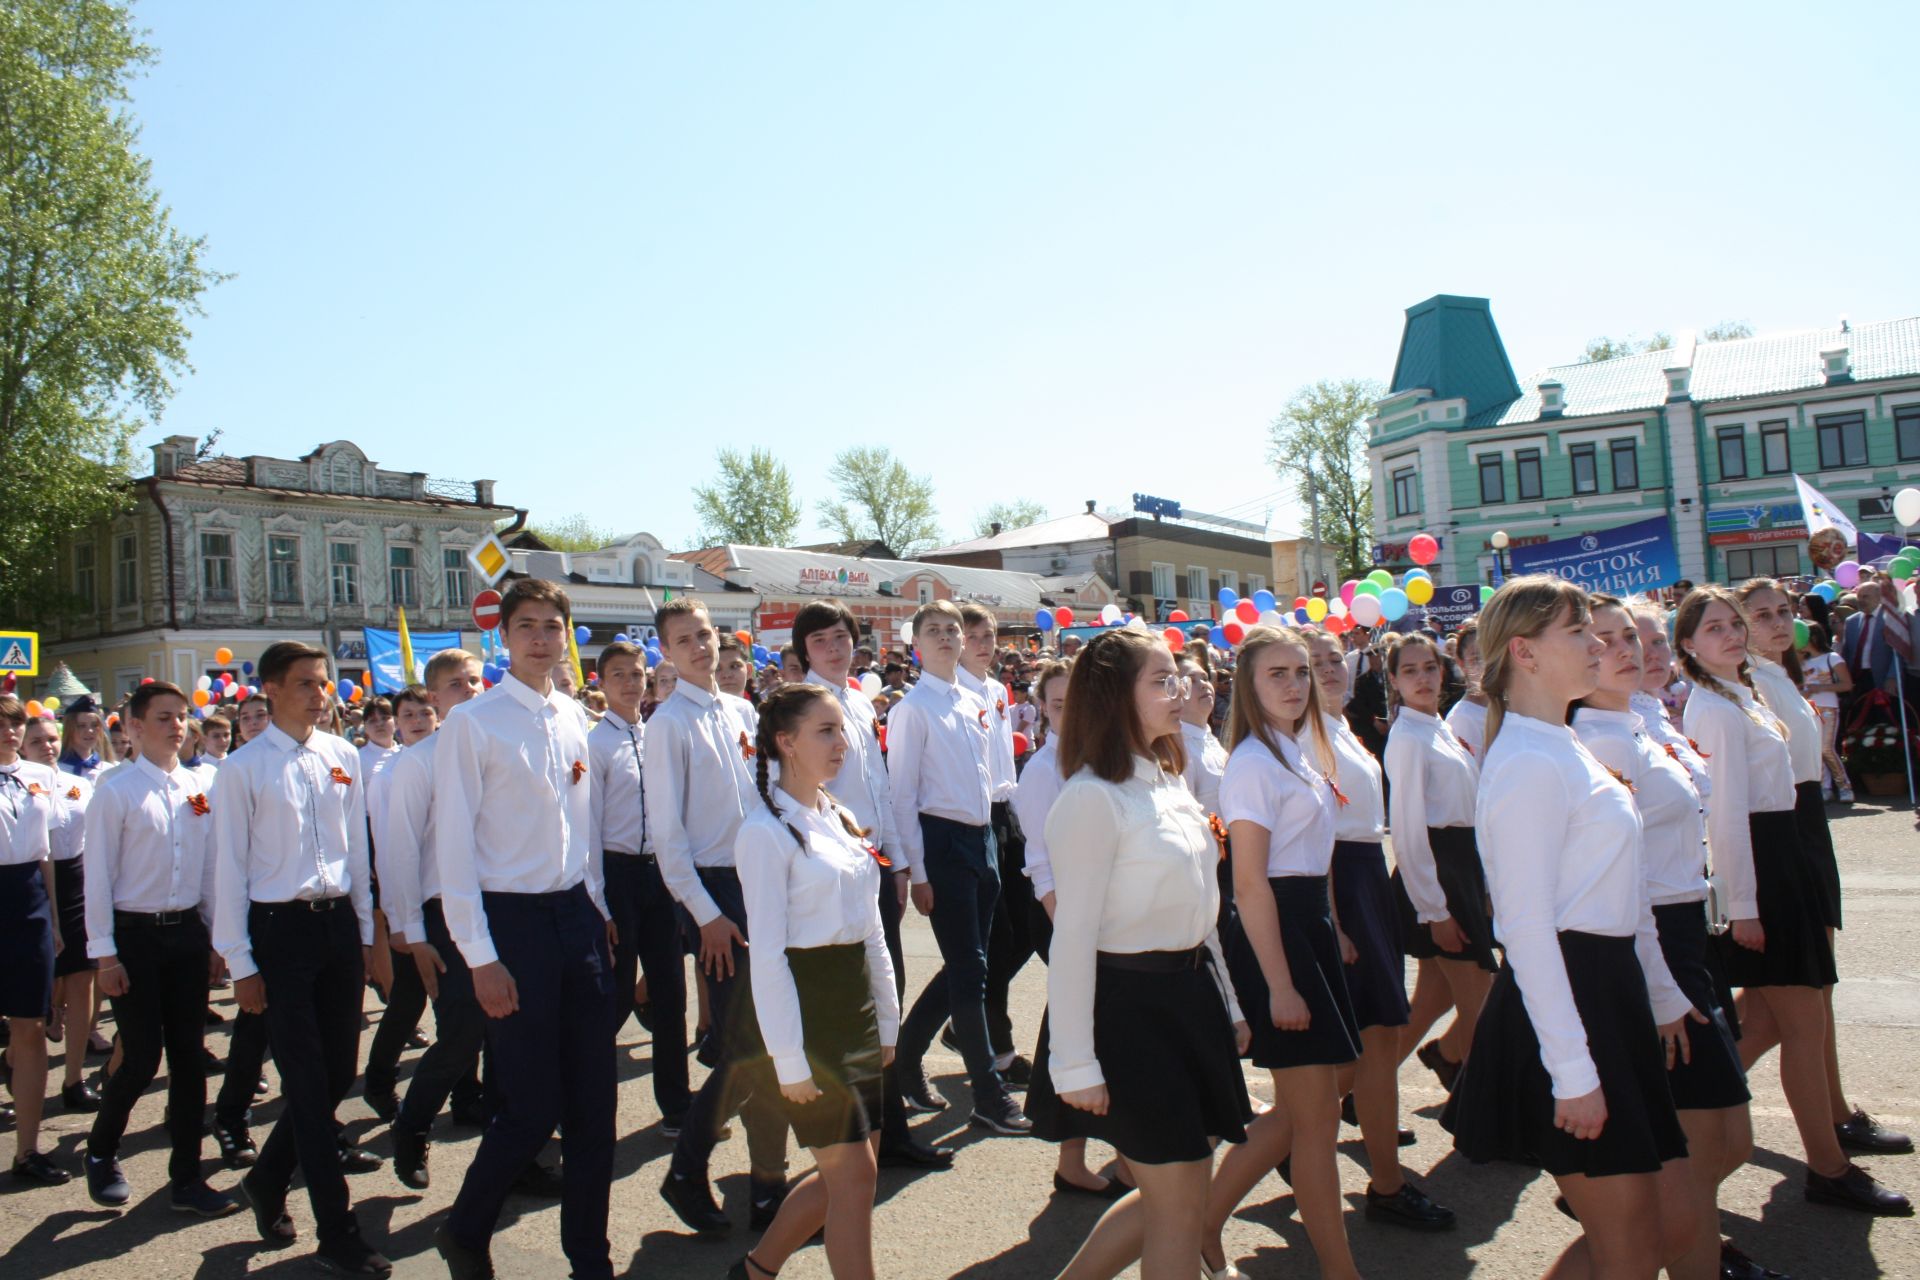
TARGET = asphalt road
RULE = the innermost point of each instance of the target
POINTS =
(994, 1214)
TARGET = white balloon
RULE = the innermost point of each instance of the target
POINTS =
(1272, 618)
(1138, 623)
(1366, 610)
(204, 682)
(869, 684)
(906, 631)
(1337, 607)
(1906, 506)
(1111, 614)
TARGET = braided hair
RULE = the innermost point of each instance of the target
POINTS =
(1686, 621)
(782, 710)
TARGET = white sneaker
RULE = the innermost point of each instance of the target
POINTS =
(1846, 795)
(1228, 1272)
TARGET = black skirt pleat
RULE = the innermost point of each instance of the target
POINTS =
(1456, 862)
(1797, 952)
(1816, 842)
(1712, 1077)
(1363, 899)
(1332, 1036)
(70, 916)
(842, 1037)
(26, 942)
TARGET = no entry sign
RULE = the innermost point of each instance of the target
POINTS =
(486, 610)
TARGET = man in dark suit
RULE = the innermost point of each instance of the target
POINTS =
(1864, 647)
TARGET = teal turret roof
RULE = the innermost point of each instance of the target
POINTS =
(1451, 347)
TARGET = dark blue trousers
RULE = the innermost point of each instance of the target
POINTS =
(649, 941)
(448, 1067)
(963, 870)
(553, 1065)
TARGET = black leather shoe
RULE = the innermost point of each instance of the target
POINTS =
(1001, 1115)
(1862, 1132)
(359, 1160)
(1019, 1072)
(410, 1159)
(385, 1104)
(80, 1097)
(691, 1200)
(201, 1200)
(1114, 1190)
(462, 1263)
(1735, 1265)
(1408, 1207)
(212, 1062)
(107, 1184)
(541, 1180)
(921, 1096)
(1856, 1189)
(37, 1168)
(1438, 1063)
(236, 1147)
(766, 1201)
(352, 1256)
(1403, 1135)
(914, 1154)
(468, 1117)
(270, 1218)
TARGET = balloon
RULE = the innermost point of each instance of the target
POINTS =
(506, 660)
(1826, 591)
(1339, 623)
(1112, 614)
(1393, 604)
(246, 668)
(1263, 600)
(1847, 573)
(222, 656)
(200, 698)
(1366, 610)
(1337, 608)
(1019, 744)
(1316, 609)
(654, 659)
(1486, 594)
(759, 653)
(1901, 569)
(744, 637)
(35, 708)
(242, 694)
(1247, 611)
(1217, 637)
(1347, 589)
(1300, 617)
(906, 631)
(1367, 588)
(1043, 619)
(1300, 602)
(356, 694)
(1420, 590)
(1234, 632)
(1382, 577)
(1422, 549)
(366, 679)
(869, 683)
(1411, 574)
(1178, 615)
(1800, 634)
(1906, 506)
(1176, 638)
(146, 679)
(1272, 618)
(51, 704)
(1228, 598)
(1063, 616)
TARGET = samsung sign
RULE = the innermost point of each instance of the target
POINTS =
(1621, 561)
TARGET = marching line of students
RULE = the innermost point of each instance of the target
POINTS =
(1557, 850)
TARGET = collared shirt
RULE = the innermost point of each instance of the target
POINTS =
(1040, 786)
(1670, 811)
(1746, 751)
(26, 811)
(373, 753)
(1660, 727)
(618, 813)
(289, 824)
(937, 748)
(80, 766)
(1362, 817)
(821, 895)
(403, 842)
(67, 827)
(1000, 771)
(701, 761)
(1285, 794)
(149, 847)
(1206, 764)
(378, 779)
(1433, 780)
(1468, 720)
(862, 782)
(1561, 843)
(1785, 700)
(512, 765)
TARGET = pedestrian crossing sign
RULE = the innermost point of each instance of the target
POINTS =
(20, 652)
(490, 557)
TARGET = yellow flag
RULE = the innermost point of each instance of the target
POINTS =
(573, 653)
(407, 673)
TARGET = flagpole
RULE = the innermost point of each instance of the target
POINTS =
(1900, 684)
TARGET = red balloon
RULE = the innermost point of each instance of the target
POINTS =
(1176, 639)
(1063, 616)
(1247, 611)
(1178, 615)
(1422, 549)
(1299, 602)
(242, 694)
(1019, 744)
(1235, 633)
(146, 679)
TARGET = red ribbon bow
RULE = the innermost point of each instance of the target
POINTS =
(579, 772)
(878, 856)
(73, 793)
(983, 717)
(341, 776)
(35, 789)
(1338, 794)
(199, 805)
(1696, 748)
(1000, 705)
(747, 750)
(1219, 830)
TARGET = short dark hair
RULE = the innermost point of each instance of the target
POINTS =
(12, 710)
(280, 657)
(621, 649)
(378, 706)
(218, 718)
(412, 693)
(526, 591)
(817, 616)
(683, 607)
(972, 615)
(144, 694)
(731, 643)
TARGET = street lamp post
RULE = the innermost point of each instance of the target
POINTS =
(1499, 541)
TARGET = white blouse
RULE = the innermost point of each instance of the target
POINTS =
(827, 894)
(1658, 723)
(1802, 721)
(1561, 842)
(1670, 810)
(1135, 864)
(67, 826)
(1752, 773)
(26, 811)
(1289, 798)
(1434, 781)
(1361, 815)
(1040, 784)
(1206, 764)
(1468, 720)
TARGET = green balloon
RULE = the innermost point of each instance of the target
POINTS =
(1799, 633)
(1486, 594)
(1382, 577)
(1367, 588)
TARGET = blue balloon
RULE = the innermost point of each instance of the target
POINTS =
(1300, 616)
(1263, 600)
(582, 635)
(1043, 619)
(621, 637)
(1228, 597)
(1417, 573)
(653, 658)
(491, 673)
(1393, 604)
(1217, 637)
(246, 668)
(760, 653)
(1826, 591)
(506, 660)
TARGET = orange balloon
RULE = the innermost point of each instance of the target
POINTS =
(366, 679)
(34, 709)
(744, 637)
(201, 697)
(222, 656)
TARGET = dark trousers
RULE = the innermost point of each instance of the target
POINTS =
(962, 868)
(165, 1007)
(314, 973)
(649, 941)
(246, 1055)
(893, 1107)
(1010, 943)
(405, 1003)
(552, 1064)
(449, 1066)
(744, 1080)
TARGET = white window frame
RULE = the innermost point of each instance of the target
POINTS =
(1230, 580)
(230, 594)
(353, 597)
(1256, 582)
(459, 589)
(409, 598)
(273, 596)
(1163, 581)
(1196, 582)
(126, 570)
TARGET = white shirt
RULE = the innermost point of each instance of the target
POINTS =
(827, 894)
(510, 794)
(1785, 700)
(378, 777)
(617, 815)
(1752, 773)
(289, 824)
(1135, 865)
(1434, 779)
(1288, 797)
(937, 749)
(67, 824)
(1659, 725)
(1040, 784)
(1468, 721)
(26, 811)
(1206, 764)
(700, 786)
(373, 753)
(1363, 817)
(1561, 843)
(1671, 815)
(403, 844)
(149, 847)
(999, 730)
(862, 783)
(1821, 665)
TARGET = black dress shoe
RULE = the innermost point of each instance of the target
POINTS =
(914, 1154)
(359, 1160)
(541, 1180)
(1735, 1265)
(1403, 1135)
(1438, 1063)
(691, 1200)
(1408, 1207)
(1114, 1190)
(107, 1183)
(418, 1040)
(215, 1017)
(1856, 1189)
(921, 1096)
(80, 1097)
(212, 1062)
(410, 1159)
(1019, 1072)
(474, 1117)
(1862, 1132)
(270, 1218)
(236, 1147)
(462, 1263)
(1001, 1115)
(383, 1103)
(35, 1167)
(351, 1256)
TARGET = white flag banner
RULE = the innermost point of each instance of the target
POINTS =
(1822, 514)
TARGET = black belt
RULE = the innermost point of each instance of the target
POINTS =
(305, 904)
(153, 919)
(622, 853)
(1153, 961)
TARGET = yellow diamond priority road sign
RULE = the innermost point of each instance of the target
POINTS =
(490, 558)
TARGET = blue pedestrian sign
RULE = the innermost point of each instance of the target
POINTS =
(20, 653)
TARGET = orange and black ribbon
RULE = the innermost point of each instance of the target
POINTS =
(747, 750)
(199, 805)
(1219, 830)
(579, 772)
(341, 776)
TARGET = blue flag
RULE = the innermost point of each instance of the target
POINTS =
(383, 656)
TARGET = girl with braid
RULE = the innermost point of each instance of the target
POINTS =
(822, 979)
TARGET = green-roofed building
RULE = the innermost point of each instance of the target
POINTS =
(1707, 434)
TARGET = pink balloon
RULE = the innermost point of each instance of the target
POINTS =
(1247, 612)
(1346, 592)
(1847, 573)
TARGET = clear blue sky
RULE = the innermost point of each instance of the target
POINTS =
(1056, 251)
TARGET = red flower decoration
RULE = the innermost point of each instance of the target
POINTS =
(983, 717)
(579, 772)
(747, 749)
(1000, 705)
(1466, 746)
(341, 776)
(35, 789)
(1674, 752)
(73, 793)
(1219, 830)
(199, 805)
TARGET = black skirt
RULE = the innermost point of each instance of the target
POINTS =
(1502, 1104)
(1456, 862)
(26, 942)
(1369, 916)
(1165, 1045)
(1816, 842)
(842, 1036)
(1797, 952)
(1332, 1036)
(70, 914)
(1712, 1078)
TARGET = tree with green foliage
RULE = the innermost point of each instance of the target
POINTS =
(1320, 443)
(1726, 331)
(1610, 348)
(572, 533)
(96, 285)
(880, 499)
(751, 502)
(1017, 514)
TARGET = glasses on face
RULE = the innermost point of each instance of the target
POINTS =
(1175, 686)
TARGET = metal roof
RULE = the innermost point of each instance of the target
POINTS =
(1081, 526)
